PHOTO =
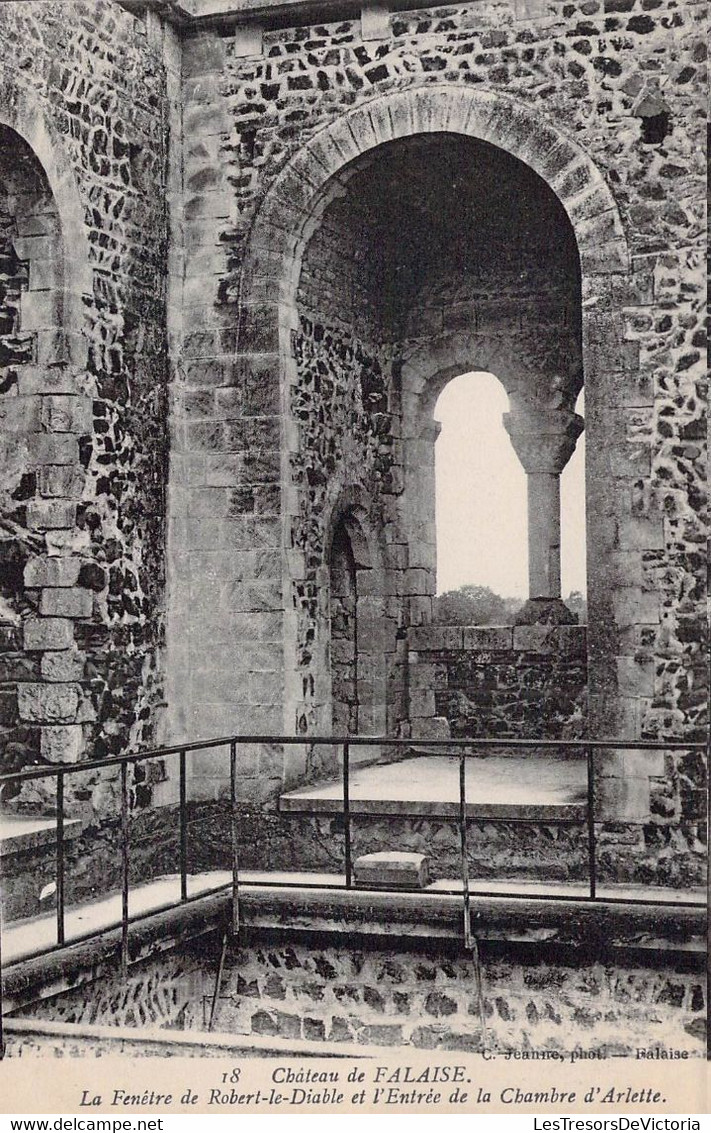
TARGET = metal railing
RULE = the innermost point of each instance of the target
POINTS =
(462, 749)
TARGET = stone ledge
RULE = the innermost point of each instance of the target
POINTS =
(198, 1044)
(532, 812)
(537, 786)
(584, 924)
(560, 639)
(195, 14)
(607, 927)
(18, 834)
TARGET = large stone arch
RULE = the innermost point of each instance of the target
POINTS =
(22, 112)
(46, 411)
(296, 201)
(275, 611)
(301, 192)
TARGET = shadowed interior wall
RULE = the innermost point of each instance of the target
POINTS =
(440, 251)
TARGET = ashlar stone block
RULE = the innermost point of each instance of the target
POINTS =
(62, 666)
(38, 702)
(53, 448)
(390, 868)
(634, 606)
(622, 799)
(63, 413)
(48, 633)
(61, 480)
(61, 743)
(66, 602)
(55, 570)
(44, 515)
(636, 533)
(635, 678)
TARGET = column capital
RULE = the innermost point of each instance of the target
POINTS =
(543, 441)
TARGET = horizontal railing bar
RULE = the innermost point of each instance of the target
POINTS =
(114, 760)
(473, 814)
(582, 898)
(354, 741)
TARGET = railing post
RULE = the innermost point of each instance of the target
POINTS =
(235, 838)
(2, 1028)
(124, 867)
(183, 831)
(60, 858)
(590, 754)
(708, 871)
(464, 848)
(347, 814)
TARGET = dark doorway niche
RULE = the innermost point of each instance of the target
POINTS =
(344, 633)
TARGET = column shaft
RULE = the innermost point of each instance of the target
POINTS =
(544, 535)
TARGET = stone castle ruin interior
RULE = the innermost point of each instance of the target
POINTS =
(244, 247)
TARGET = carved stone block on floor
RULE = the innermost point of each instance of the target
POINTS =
(390, 869)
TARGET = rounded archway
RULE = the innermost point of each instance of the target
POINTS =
(438, 247)
(309, 275)
(41, 351)
(26, 130)
(294, 205)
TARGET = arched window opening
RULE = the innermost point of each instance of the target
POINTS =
(438, 254)
(480, 491)
(482, 510)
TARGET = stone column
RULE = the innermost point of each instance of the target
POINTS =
(544, 442)
(543, 535)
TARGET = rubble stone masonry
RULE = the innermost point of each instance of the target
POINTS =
(423, 996)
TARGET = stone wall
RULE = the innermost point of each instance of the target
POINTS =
(522, 682)
(92, 857)
(285, 118)
(422, 995)
(83, 386)
(342, 471)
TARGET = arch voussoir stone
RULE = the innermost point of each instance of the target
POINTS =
(361, 130)
(401, 109)
(552, 160)
(347, 145)
(475, 111)
(301, 168)
(604, 259)
(575, 179)
(381, 122)
(593, 201)
(423, 110)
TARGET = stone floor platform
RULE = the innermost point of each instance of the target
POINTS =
(537, 786)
